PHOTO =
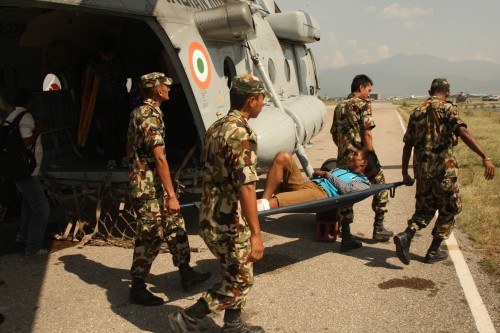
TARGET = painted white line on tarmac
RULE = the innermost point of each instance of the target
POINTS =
(483, 320)
(481, 316)
(401, 122)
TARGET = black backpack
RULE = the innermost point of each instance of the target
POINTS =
(17, 161)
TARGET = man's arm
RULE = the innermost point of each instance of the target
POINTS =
(248, 203)
(39, 125)
(368, 139)
(335, 140)
(405, 160)
(164, 172)
(471, 142)
(333, 130)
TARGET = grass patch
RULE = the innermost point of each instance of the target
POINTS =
(480, 216)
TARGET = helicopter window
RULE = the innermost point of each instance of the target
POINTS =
(287, 70)
(271, 70)
(51, 82)
(229, 70)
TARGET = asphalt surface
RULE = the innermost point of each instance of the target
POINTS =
(301, 285)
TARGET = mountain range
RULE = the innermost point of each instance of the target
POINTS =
(404, 75)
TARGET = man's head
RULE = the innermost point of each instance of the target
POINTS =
(247, 93)
(363, 161)
(156, 86)
(22, 98)
(106, 47)
(362, 84)
(440, 86)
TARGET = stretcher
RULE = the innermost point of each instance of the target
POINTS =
(327, 225)
(328, 204)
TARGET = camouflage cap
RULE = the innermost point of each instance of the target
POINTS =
(154, 79)
(440, 83)
(247, 83)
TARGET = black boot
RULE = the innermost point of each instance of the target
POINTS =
(403, 242)
(189, 277)
(233, 323)
(348, 242)
(187, 320)
(435, 254)
(380, 233)
(182, 323)
(138, 294)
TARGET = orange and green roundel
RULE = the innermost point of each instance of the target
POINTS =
(199, 63)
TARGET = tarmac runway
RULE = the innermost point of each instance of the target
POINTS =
(301, 285)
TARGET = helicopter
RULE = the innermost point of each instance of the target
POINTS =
(200, 44)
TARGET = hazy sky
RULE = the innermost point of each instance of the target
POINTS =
(365, 31)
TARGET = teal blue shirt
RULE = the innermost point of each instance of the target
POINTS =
(341, 181)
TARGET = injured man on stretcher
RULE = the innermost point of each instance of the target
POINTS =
(286, 186)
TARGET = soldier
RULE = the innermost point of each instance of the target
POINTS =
(228, 218)
(352, 130)
(432, 132)
(153, 195)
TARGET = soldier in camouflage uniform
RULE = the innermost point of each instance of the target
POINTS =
(433, 131)
(228, 218)
(352, 130)
(155, 201)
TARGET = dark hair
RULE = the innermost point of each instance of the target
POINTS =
(358, 80)
(106, 44)
(148, 92)
(238, 99)
(440, 89)
(371, 159)
(20, 97)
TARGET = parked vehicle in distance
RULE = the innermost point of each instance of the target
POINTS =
(462, 97)
(490, 98)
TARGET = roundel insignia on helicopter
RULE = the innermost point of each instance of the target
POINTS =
(199, 63)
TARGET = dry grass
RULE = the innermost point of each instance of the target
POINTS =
(480, 217)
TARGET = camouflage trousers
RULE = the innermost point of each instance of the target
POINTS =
(380, 201)
(433, 195)
(154, 226)
(236, 271)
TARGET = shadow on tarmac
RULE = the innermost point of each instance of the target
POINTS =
(302, 228)
(298, 228)
(116, 283)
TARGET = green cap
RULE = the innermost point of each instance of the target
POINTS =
(154, 79)
(250, 84)
(440, 83)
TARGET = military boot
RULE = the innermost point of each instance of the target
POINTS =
(380, 233)
(403, 242)
(348, 242)
(187, 320)
(233, 323)
(138, 294)
(190, 278)
(435, 254)
(180, 322)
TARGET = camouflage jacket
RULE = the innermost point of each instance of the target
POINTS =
(351, 118)
(431, 132)
(146, 130)
(230, 154)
